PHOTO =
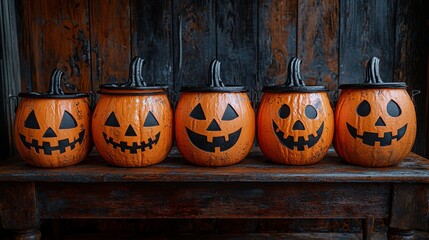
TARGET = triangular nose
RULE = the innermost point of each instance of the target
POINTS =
(213, 126)
(298, 126)
(380, 122)
(49, 133)
(130, 132)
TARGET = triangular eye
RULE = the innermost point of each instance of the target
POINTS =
(68, 121)
(150, 120)
(112, 121)
(31, 121)
(198, 113)
(230, 113)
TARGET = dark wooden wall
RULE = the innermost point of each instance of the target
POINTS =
(94, 41)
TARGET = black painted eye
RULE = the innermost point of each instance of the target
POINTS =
(363, 109)
(112, 121)
(229, 114)
(310, 112)
(150, 120)
(393, 109)
(284, 111)
(31, 121)
(198, 113)
(68, 121)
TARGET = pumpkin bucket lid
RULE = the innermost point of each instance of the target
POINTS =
(135, 80)
(215, 82)
(294, 83)
(55, 90)
(373, 79)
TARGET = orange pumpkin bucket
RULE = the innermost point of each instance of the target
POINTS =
(295, 122)
(215, 124)
(132, 123)
(375, 122)
(53, 129)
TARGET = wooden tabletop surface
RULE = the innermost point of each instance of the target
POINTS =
(255, 168)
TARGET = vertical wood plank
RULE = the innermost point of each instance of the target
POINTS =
(236, 37)
(411, 60)
(152, 39)
(110, 41)
(318, 39)
(24, 44)
(59, 38)
(277, 39)
(367, 29)
(194, 37)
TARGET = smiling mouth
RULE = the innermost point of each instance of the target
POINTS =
(200, 141)
(301, 143)
(369, 138)
(134, 146)
(46, 146)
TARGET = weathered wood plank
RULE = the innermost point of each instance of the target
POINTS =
(277, 39)
(410, 207)
(151, 33)
(252, 169)
(367, 29)
(59, 38)
(213, 200)
(411, 59)
(110, 41)
(318, 39)
(24, 44)
(236, 40)
(18, 205)
(194, 38)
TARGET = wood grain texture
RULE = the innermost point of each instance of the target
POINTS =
(59, 38)
(410, 207)
(213, 200)
(367, 29)
(236, 41)
(194, 41)
(277, 26)
(253, 168)
(18, 205)
(24, 44)
(318, 40)
(411, 59)
(152, 39)
(110, 41)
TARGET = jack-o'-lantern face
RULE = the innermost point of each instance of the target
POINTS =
(369, 137)
(307, 138)
(295, 128)
(219, 140)
(214, 129)
(129, 141)
(133, 131)
(53, 134)
(375, 127)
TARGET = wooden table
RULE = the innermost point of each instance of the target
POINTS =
(254, 188)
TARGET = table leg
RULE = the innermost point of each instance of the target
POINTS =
(19, 209)
(367, 228)
(409, 210)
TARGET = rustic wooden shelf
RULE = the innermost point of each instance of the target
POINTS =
(254, 188)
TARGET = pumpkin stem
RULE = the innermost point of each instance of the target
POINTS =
(293, 74)
(373, 71)
(214, 74)
(136, 77)
(55, 84)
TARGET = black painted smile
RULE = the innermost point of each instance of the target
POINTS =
(200, 141)
(369, 138)
(291, 144)
(46, 146)
(134, 146)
